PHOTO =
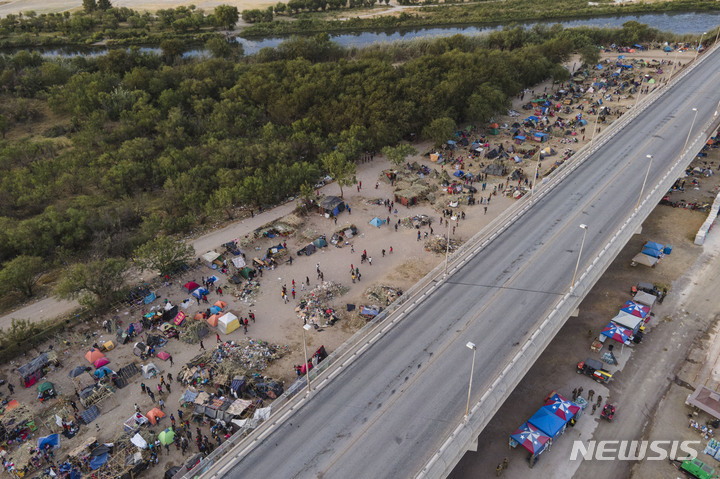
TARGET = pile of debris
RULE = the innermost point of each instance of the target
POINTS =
(438, 244)
(194, 332)
(416, 221)
(248, 291)
(383, 294)
(314, 307)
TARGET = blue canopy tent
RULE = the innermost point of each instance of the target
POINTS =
(198, 293)
(531, 438)
(616, 332)
(377, 222)
(636, 309)
(562, 407)
(548, 422)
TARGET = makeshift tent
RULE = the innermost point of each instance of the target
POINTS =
(90, 414)
(200, 292)
(134, 422)
(548, 422)
(220, 304)
(213, 320)
(628, 321)
(645, 298)
(166, 437)
(210, 257)
(459, 173)
(53, 440)
(102, 372)
(646, 260)
(163, 355)
(436, 158)
(653, 249)
(377, 222)
(228, 323)
(320, 243)
(78, 371)
(149, 298)
(247, 272)
(139, 441)
(154, 415)
(667, 49)
(179, 318)
(331, 205)
(96, 462)
(101, 362)
(33, 371)
(191, 286)
(149, 370)
(636, 309)
(563, 408)
(46, 390)
(238, 262)
(531, 438)
(616, 332)
(93, 355)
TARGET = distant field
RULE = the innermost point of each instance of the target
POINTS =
(46, 6)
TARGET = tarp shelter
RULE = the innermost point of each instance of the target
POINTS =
(191, 286)
(646, 260)
(90, 414)
(154, 415)
(436, 157)
(459, 173)
(653, 249)
(149, 298)
(33, 371)
(636, 309)
(101, 362)
(667, 49)
(616, 332)
(705, 399)
(53, 440)
(215, 310)
(210, 257)
(238, 262)
(628, 321)
(213, 320)
(563, 408)
(247, 272)
(320, 243)
(164, 355)
(46, 389)
(179, 318)
(531, 438)
(548, 422)
(645, 298)
(93, 355)
(96, 462)
(200, 292)
(102, 372)
(331, 205)
(78, 371)
(228, 323)
(539, 136)
(149, 370)
(377, 222)
(139, 441)
(166, 437)
(134, 422)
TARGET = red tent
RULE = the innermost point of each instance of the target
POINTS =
(191, 285)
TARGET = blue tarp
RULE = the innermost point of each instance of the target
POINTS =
(548, 422)
(582, 122)
(368, 311)
(451, 142)
(654, 245)
(188, 396)
(150, 298)
(621, 57)
(376, 222)
(599, 67)
(53, 440)
(102, 372)
(532, 118)
(198, 293)
(520, 137)
(639, 46)
(97, 461)
(215, 309)
(89, 415)
(459, 173)
(667, 49)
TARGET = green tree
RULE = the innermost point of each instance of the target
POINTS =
(4, 125)
(589, 54)
(440, 130)
(221, 48)
(22, 274)
(398, 154)
(94, 283)
(172, 48)
(89, 6)
(163, 254)
(226, 16)
(104, 4)
(340, 168)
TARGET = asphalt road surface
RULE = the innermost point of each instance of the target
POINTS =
(385, 413)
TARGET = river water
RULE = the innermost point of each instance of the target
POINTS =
(680, 23)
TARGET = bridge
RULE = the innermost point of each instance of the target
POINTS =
(393, 404)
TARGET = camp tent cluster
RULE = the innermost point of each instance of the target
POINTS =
(651, 254)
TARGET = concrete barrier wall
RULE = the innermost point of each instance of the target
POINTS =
(709, 222)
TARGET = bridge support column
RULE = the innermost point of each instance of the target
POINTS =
(473, 446)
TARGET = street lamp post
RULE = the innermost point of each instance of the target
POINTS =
(637, 100)
(447, 245)
(577, 265)
(537, 168)
(697, 50)
(642, 188)
(690, 130)
(472, 370)
(597, 115)
(306, 327)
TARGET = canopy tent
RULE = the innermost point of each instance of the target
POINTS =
(228, 323)
(200, 292)
(191, 286)
(628, 321)
(531, 438)
(166, 437)
(377, 222)
(164, 355)
(548, 422)
(636, 309)
(645, 298)
(93, 355)
(563, 408)
(154, 415)
(616, 332)
(210, 257)
(149, 370)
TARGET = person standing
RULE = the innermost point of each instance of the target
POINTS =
(201, 345)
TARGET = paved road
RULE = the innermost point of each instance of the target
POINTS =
(386, 412)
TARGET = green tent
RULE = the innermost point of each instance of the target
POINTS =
(166, 437)
(46, 386)
(494, 131)
(246, 272)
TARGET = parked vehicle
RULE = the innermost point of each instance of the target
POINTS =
(594, 369)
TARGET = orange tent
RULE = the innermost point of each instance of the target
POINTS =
(212, 320)
(198, 316)
(11, 405)
(154, 414)
(220, 304)
(93, 355)
(494, 125)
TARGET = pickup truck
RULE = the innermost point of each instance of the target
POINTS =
(594, 369)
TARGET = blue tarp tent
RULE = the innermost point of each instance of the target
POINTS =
(376, 222)
(451, 143)
(667, 48)
(150, 298)
(459, 173)
(215, 310)
(368, 311)
(102, 372)
(639, 47)
(198, 293)
(621, 57)
(531, 438)
(548, 422)
(653, 249)
(97, 461)
(582, 122)
(532, 118)
(599, 67)
(520, 137)
(53, 440)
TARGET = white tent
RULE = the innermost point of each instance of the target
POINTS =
(642, 258)
(645, 298)
(227, 323)
(138, 440)
(209, 257)
(628, 321)
(149, 370)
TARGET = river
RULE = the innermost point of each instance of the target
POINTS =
(680, 23)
